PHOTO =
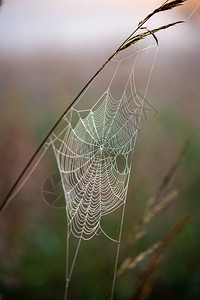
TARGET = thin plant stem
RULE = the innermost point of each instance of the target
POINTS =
(9, 197)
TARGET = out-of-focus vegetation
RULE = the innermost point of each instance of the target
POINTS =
(34, 90)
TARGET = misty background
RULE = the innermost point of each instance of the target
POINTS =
(48, 51)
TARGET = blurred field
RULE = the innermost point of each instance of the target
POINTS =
(38, 81)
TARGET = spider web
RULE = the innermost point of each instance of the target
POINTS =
(93, 150)
(93, 160)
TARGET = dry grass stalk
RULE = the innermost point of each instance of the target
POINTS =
(157, 248)
(167, 5)
(140, 229)
(130, 263)
(139, 37)
(160, 200)
(168, 177)
(148, 277)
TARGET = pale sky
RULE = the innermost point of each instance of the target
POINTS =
(28, 24)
